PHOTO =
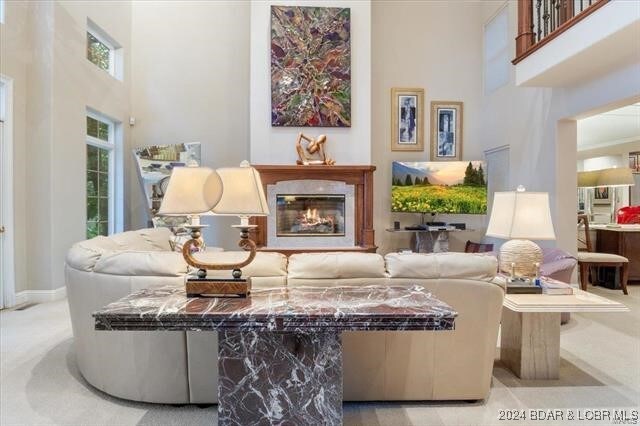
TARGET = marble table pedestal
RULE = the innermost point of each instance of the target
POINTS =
(279, 378)
(430, 242)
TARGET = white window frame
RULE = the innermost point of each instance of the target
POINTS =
(3, 5)
(115, 50)
(485, 60)
(113, 144)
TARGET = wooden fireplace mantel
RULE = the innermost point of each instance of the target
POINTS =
(361, 177)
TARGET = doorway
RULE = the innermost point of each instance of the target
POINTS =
(7, 276)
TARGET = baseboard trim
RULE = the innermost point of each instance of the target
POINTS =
(40, 296)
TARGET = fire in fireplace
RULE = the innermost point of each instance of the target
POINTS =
(310, 215)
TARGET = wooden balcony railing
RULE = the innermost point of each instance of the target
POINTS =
(540, 21)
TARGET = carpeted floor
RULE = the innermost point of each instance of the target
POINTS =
(600, 368)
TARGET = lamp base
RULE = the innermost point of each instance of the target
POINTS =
(519, 257)
(217, 287)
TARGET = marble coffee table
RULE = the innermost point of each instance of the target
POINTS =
(280, 350)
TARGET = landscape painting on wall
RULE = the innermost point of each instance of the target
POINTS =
(454, 187)
(310, 66)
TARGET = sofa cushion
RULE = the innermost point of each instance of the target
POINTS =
(265, 264)
(142, 263)
(143, 239)
(84, 255)
(336, 265)
(442, 265)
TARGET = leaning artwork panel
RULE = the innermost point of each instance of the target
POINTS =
(310, 66)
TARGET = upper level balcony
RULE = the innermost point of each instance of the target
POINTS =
(567, 42)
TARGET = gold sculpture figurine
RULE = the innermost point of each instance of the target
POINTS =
(313, 151)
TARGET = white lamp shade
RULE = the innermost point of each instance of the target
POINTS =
(523, 215)
(243, 194)
(191, 191)
(617, 176)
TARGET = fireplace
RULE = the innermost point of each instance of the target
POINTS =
(316, 208)
(310, 215)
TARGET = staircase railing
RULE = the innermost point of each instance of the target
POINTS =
(540, 21)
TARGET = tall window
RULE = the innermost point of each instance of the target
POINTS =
(100, 175)
(496, 51)
(103, 51)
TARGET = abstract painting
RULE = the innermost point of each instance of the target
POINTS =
(407, 130)
(310, 66)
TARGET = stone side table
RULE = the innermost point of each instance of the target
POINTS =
(280, 350)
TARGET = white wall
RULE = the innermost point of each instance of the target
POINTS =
(54, 85)
(275, 145)
(620, 150)
(78, 84)
(409, 50)
(604, 162)
(190, 83)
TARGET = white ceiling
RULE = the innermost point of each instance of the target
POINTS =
(614, 127)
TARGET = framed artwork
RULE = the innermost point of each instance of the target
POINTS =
(602, 195)
(154, 166)
(310, 66)
(446, 131)
(407, 124)
(634, 162)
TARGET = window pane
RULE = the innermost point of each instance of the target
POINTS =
(104, 161)
(104, 209)
(92, 158)
(103, 131)
(97, 52)
(92, 209)
(92, 184)
(92, 127)
(92, 229)
(103, 185)
(103, 228)
(97, 129)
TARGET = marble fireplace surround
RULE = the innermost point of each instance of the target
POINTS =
(311, 187)
(355, 182)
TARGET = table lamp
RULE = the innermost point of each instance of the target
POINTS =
(521, 216)
(586, 182)
(588, 179)
(228, 191)
(614, 177)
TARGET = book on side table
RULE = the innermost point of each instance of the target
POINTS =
(551, 286)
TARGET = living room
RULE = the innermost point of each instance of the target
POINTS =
(103, 101)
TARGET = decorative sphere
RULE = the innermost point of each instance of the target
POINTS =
(524, 254)
(237, 273)
(202, 273)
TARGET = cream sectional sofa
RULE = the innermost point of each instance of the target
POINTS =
(181, 367)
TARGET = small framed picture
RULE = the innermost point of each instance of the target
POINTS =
(634, 161)
(601, 195)
(407, 124)
(446, 131)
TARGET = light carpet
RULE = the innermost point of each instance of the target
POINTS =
(600, 368)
